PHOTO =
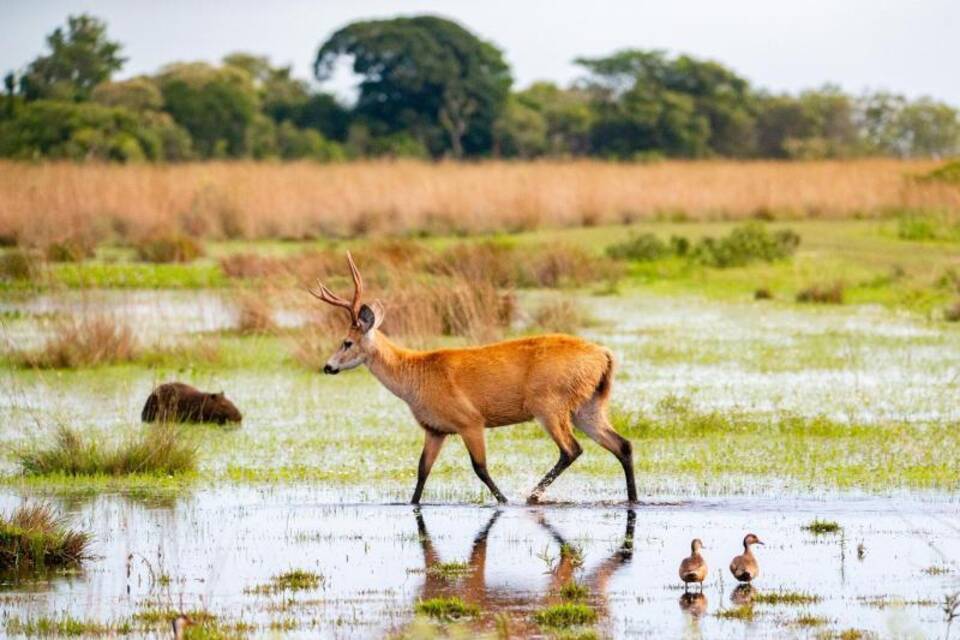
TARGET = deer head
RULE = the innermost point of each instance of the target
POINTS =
(364, 320)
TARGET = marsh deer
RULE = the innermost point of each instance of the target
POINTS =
(561, 381)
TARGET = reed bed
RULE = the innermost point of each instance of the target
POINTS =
(43, 203)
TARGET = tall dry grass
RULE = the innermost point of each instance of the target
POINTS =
(42, 202)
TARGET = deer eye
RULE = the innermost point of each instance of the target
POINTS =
(347, 344)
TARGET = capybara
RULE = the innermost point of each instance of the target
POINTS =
(179, 402)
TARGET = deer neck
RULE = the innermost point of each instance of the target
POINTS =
(392, 365)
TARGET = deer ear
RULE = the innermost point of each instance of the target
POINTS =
(371, 315)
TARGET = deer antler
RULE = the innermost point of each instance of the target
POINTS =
(322, 292)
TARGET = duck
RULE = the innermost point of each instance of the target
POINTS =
(744, 567)
(180, 624)
(694, 567)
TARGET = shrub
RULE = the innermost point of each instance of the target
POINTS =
(32, 537)
(568, 614)
(926, 225)
(89, 341)
(643, 247)
(763, 294)
(948, 173)
(745, 244)
(952, 312)
(561, 316)
(159, 450)
(254, 314)
(822, 294)
(168, 248)
(18, 264)
(72, 249)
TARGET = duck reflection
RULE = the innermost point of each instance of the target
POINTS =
(694, 604)
(471, 585)
(743, 594)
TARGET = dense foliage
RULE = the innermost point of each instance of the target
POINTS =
(430, 88)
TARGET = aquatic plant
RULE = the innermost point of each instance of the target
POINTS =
(33, 537)
(447, 609)
(18, 264)
(160, 449)
(641, 247)
(821, 527)
(450, 569)
(293, 580)
(573, 590)
(743, 612)
(568, 614)
(785, 598)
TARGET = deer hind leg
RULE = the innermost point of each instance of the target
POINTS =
(561, 431)
(592, 419)
(432, 443)
(475, 441)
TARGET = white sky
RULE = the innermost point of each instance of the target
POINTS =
(909, 46)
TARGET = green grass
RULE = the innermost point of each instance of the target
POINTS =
(809, 620)
(790, 598)
(67, 626)
(447, 609)
(293, 580)
(33, 538)
(568, 614)
(820, 527)
(573, 590)
(161, 449)
(744, 613)
(450, 569)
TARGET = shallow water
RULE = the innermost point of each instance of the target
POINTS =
(217, 543)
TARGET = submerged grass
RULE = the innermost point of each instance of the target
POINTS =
(791, 598)
(820, 527)
(744, 612)
(161, 449)
(293, 580)
(33, 537)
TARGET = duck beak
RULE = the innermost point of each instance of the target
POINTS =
(761, 542)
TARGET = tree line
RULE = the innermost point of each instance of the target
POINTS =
(429, 88)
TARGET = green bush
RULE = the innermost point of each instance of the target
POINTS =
(79, 131)
(643, 247)
(168, 248)
(18, 264)
(745, 244)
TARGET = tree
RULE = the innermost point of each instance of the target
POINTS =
(426, 76)
(567, 113)
(137, 94)
(79, 131)
(521, 131)
(79, 59)
(216, 105)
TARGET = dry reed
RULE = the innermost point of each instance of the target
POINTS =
(82, 341)
(298, 200)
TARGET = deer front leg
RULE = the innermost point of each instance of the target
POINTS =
(475, 441)
(432, 443)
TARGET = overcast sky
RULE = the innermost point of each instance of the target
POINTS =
(907, 46)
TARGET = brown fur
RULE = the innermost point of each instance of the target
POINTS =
(179, 402)
(559, 380)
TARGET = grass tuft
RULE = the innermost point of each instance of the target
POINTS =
(294, 580)
(447, 609)
(168, 248)
(32, 537)
(573, 590)
(785, 598)
(744, 612)
(88, 341)
(162, 449)
(820, 527)
(568, 614)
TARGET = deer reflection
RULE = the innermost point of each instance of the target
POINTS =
(471, 584)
